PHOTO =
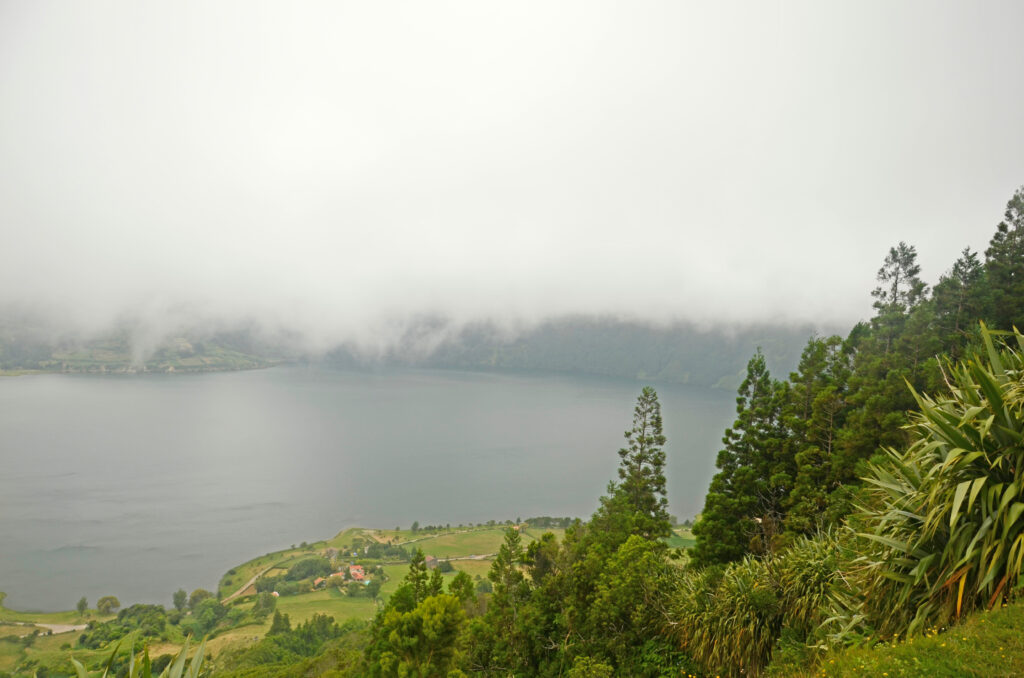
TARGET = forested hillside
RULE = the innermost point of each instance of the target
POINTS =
(711, 356)
(678, 352)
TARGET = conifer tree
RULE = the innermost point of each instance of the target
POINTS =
(961, 300)
(899, 291)
(814, 414)
(642, 469)
(637, 504)
(898, 346)
(741, 505)
(435, 586)
(280, 624)
(1004, 265)
(417, 576)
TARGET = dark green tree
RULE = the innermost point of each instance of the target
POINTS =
(742, 508)
(814, 413)
(961, 300)
(898, 347)
(899, 291)
(642, 469)
(499, 637)
(198, 596)
(264, 605)
(180, 599)
(435, 586)
(1004, 265)
(82, 605)
(637, 503)
(373, 588)
(107, 604)
(420, 642)
(417, 576)
(280, 624)
(461, 586)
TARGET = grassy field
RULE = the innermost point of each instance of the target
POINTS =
(10, 655)
(460, 544)
(989, 644)
(49, 650)
(47, 647)
(476, 542)
(14, 629)
(681, 538)
(66, 617)
(473, 567)
(344, 538)
(330, 601)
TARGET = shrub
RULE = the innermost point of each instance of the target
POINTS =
(731, 619)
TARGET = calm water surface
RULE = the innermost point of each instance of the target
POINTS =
(136, 486)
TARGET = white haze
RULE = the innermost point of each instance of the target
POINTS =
(336, 168)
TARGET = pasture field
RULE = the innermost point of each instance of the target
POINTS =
(65, 617)
(455, 544)
(329, 601)
(681, 538)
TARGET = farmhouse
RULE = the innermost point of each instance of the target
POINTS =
(356, 572)
(431, 562)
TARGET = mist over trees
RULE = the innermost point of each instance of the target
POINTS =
(681, 352)
(793, 460)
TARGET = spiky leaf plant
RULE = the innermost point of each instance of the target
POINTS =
(948, 513)
(730, 620)
(140, 667)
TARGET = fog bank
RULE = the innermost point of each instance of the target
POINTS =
(334, 171)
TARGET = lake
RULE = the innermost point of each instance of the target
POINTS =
(136, 486)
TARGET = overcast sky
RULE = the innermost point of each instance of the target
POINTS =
(335, 165)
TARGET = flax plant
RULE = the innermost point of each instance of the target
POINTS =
(139, 666)
(730, 621)
(948, 513)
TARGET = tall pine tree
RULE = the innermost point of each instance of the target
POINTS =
(638, 504)
(742, 508)
(898, 292)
